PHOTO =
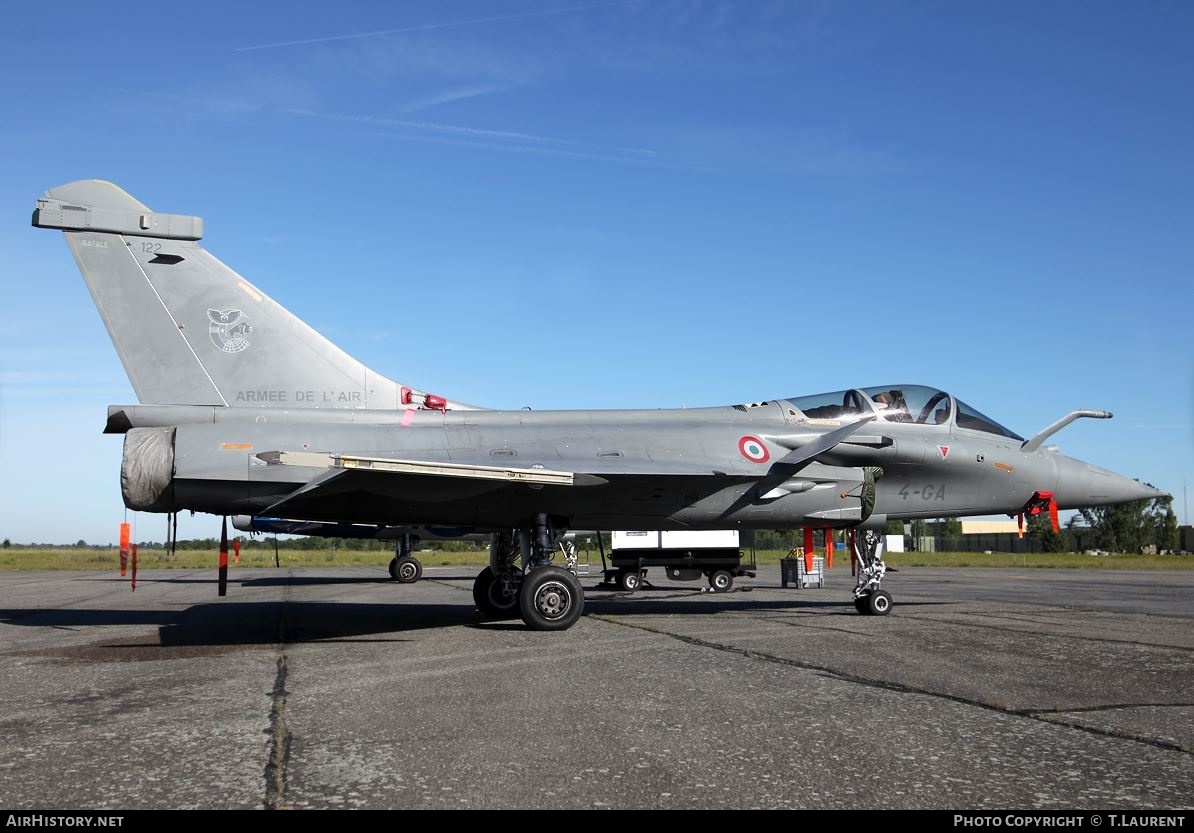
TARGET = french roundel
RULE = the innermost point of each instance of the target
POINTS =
(752, 449)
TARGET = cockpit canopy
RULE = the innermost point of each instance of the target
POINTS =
(914, 404)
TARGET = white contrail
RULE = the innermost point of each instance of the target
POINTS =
(427, 26)
(458, 94)
(502, 135)
(596, 155)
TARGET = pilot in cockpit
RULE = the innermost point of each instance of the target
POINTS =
(892, 406)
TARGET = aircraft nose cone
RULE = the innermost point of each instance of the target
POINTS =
(1107, 488)
(1081, 484)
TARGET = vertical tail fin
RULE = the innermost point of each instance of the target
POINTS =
(191, 331)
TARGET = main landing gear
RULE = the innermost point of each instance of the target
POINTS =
(521, 581)
(869, 600)
(404, 567)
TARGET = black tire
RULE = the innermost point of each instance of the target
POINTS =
(878, 603)
(490, 598)
(721, 580)
(860, 605)
(406, 570)
(630, 580)
(550, 599)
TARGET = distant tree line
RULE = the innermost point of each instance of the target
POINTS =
(1140, 526)
(1134, 527)
(267, 542)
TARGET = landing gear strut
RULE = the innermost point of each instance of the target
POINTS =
(520, 579)
(404, 567)
(869, 600)
(495, 590)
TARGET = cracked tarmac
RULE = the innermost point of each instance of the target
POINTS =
(335, 687)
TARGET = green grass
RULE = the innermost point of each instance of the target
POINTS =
(71, 558)
(1044, 560)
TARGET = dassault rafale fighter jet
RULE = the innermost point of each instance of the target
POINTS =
(246, 410)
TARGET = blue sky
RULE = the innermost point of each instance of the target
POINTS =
(635, 204)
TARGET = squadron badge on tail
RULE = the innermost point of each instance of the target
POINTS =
(228, 329)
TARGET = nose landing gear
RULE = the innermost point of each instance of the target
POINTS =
(869, 600)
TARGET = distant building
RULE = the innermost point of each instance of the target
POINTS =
(1003, 536)
(989, 527)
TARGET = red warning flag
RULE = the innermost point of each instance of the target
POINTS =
(125, 529)
(224, 557)
(236, 550)
(808, 549)
(133, 557)
(828, 549)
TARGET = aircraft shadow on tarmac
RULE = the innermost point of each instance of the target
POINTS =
(253, 623)
(270, 581)
(248, 624)
(277, 581)
(283, 580)
(624, 604)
